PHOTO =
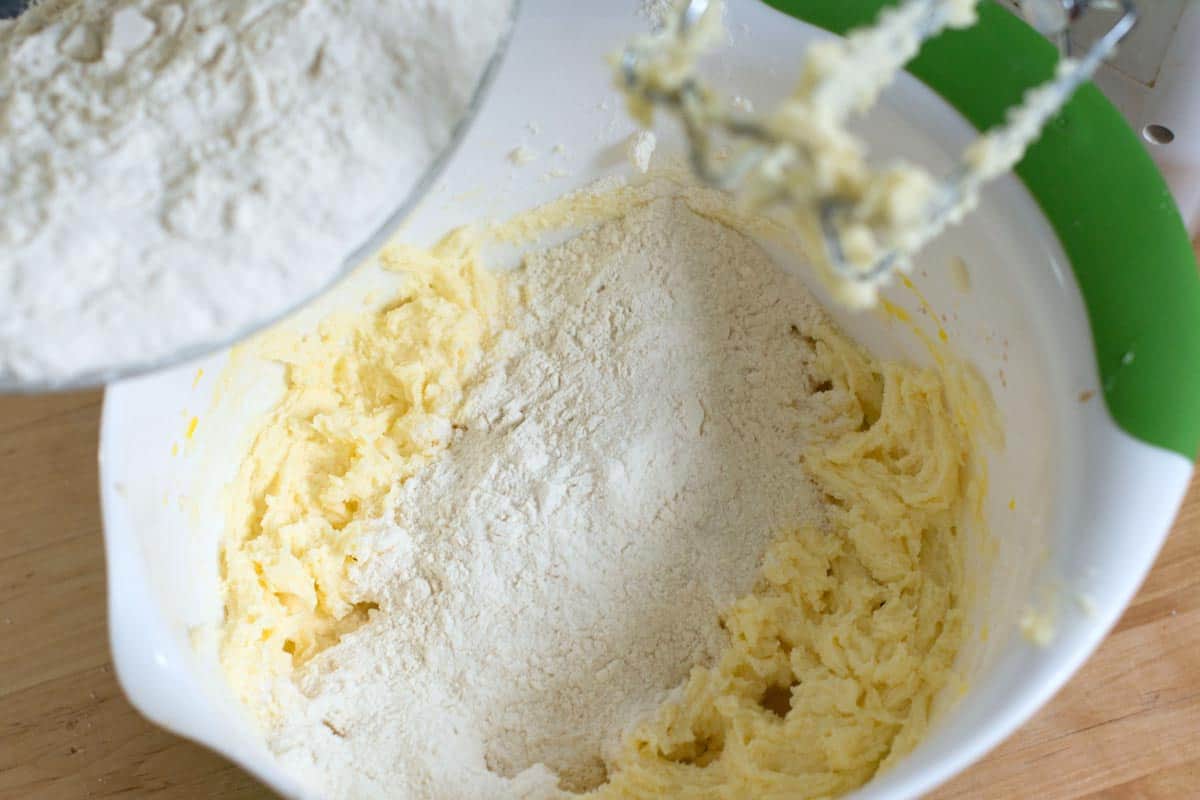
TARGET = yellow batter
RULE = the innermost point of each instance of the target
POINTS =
(834, 659)
(370, 398)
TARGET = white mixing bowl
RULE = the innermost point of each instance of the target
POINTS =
(1078, 506)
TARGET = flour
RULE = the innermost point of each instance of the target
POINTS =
(174, 172)
(628, 453)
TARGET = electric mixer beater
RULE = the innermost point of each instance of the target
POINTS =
(800, 157)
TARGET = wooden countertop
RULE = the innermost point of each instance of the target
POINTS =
(1127, 726)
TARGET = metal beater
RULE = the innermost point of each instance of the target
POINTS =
(656, 73)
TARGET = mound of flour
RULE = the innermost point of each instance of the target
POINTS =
(172, 172)
(630, 450)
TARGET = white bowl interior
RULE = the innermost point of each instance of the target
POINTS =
(1076, 508)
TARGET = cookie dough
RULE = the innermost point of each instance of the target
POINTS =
(371, 396)
(833, 660)
(836, 657)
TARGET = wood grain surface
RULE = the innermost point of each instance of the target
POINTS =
(1127, 726)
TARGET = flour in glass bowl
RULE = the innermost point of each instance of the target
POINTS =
(172, 173)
